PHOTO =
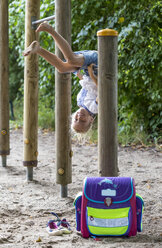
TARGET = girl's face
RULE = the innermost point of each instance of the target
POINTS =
(82, 120)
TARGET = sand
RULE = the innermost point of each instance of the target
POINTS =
(25, 206)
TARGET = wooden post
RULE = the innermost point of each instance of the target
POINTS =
(30, 91)
(107, 107)
(63, 102)
(4, 84)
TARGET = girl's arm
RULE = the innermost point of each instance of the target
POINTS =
(93, 77)
(90, 71)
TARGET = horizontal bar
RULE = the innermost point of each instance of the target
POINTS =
(42, 20)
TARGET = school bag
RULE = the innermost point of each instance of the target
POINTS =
(108, 206)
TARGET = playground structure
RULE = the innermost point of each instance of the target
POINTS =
(107, 80)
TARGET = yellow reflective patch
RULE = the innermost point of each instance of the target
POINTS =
(108, 221)
(108, 231)
(108, 213)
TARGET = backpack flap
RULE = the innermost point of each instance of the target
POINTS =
(119, 190)
(108, 207)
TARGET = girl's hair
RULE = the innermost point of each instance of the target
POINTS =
(81, 130)
(79, 137)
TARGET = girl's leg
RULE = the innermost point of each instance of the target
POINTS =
(76, 60)
(61, 66)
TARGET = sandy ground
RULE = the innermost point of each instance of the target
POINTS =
(25, 207)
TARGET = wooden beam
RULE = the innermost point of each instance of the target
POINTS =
(63, 101)
(30, 91)
(107, 106)
(4, 82)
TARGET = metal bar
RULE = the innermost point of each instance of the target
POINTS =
(44, 19)
(64, 191)
(29, 174)
(4, 159)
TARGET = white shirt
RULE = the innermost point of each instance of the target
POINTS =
(87, 95)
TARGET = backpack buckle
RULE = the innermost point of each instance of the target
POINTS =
(108, 201)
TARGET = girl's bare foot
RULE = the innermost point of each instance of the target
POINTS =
(33, 48)
(44, 27)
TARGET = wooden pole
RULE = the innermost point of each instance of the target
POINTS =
(63, 102)
(30, 91)
(4, 82)
(107, 107)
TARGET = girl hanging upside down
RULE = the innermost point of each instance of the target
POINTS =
(74, 62)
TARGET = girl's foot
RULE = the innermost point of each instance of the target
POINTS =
(44, 27)
(33, 48)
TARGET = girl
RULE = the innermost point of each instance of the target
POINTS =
(74, 62)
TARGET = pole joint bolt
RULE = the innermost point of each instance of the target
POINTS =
(3, 132)
(61, 171)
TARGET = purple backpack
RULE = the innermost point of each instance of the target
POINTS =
(108, 206)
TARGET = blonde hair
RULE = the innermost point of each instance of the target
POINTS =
(81, 130)
(80, 137)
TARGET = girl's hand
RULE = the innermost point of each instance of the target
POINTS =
(79, 75)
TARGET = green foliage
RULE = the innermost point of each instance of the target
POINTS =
(87, 18)
(18, 112)
(139, 48)
(140, 69)
(46, 117)
(16, 46)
